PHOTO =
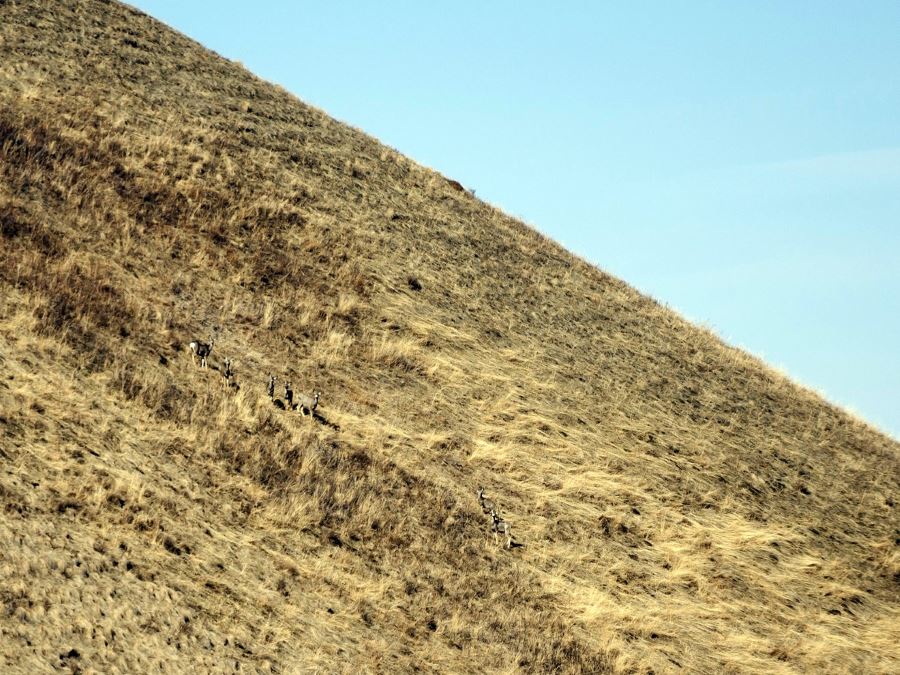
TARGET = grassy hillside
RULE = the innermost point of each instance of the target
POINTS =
(680, 505)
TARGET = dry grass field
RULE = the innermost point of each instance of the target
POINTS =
(677, 505)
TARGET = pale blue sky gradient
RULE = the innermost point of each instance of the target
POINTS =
(739, 162)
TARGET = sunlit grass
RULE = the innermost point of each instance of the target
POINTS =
(678, 505)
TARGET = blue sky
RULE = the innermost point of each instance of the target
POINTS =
(739, 162)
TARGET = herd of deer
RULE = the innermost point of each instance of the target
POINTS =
(200, 351)
(305, 403)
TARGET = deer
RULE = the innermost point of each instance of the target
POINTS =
(501, 527)
(227, 374)
(487, 505)
(201, 350)
(307, 402)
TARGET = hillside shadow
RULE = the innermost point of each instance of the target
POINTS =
(321, 419)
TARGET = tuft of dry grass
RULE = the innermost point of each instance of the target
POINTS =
(681, 505)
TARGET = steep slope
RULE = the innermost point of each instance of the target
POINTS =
(680, 505)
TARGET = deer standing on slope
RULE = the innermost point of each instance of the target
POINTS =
(487, 505)
(201, 350)
(501, 527)
(227, 374)
(305, 402)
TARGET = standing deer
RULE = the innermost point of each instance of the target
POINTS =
(501, 527)
(487, 505)
(309, 403)
(227, 374)
(201, 350)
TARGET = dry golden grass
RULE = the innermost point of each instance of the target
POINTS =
(680, 505)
